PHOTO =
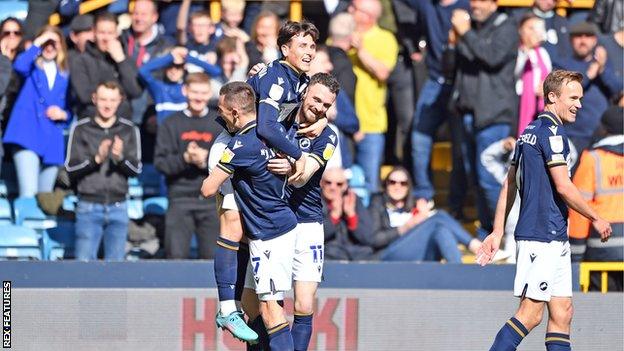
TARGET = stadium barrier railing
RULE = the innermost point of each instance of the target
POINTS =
(585, 268)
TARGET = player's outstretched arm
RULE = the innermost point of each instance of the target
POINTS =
(211, 184)
(315, 129)
(491, 244)
(308, 171)
(573, 198)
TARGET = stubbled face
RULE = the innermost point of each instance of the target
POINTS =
(144, 16)
(318, 99)
(333, 184)
(397, 186)
(106, 102)
(481, 10)
(105, 32)
(320, 64)
(11, 33)
(567, 104)
(266, 32)
(583, 44)
(201, 29)
(197, 95)
(51, 48)
(545, 5)
(228, 115)
(300, 51)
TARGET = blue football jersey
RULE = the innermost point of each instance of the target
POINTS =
(306, 201)
(260, 194)
(279, 90)
(543, 213)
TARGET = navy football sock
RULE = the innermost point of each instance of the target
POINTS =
(257, 325)
(280, 337)
(225, 266)
(509, 336)
(302, 331)
(242, 258)
(558, 342)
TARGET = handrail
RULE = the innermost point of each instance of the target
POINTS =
(585, 268)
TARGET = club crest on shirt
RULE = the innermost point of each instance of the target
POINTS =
(227, 156)
(328, 152)
(304, 143)
(556, 143)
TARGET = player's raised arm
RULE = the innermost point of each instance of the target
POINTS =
(211, 184)
(573, 198)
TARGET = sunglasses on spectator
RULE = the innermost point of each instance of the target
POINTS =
(329, 182)
(400, 182)
(6, 33)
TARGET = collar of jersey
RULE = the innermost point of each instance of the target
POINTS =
(249, 126)
(550, 116)
(292, 68)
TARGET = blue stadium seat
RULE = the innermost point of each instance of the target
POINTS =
(19, 243)
(135, 208)
(5, 212)
(69, 202)
(27, 213)
(135, 189)
(63, 236)
(155, 205)
(150, 179)
(357, 182)
(4, 191)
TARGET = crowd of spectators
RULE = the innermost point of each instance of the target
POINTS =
(411, 72)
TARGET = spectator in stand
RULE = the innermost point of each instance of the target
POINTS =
(40, 113)
(10, 39)
(600, 84)
(168, 12)
(431, 107)
(487, 46)
(80, 33)
(532, 66)
(599, 178)
(406, 229)
(341, 29)
(262, 48)
(233, 60)
(182, 146)
(557, 41)
(104, 151)
(608, 15)
(168, 93)
(373, 56)
(614, 44)
(347, 224)
(102, 61)
(232, 12)
(143, 42)
(5, 77)
(201, 44)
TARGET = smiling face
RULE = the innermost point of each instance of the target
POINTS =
(300, 51)
(568, 102)
(397, 185)
(583, 44)
(144, 16)
(201, 29)
(197, 95)
(318, 99)
(481, 10)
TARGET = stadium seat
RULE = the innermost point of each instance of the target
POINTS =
(135, 190)
(5, 212)
(357, 182)
(27, 213)
(150, 179)
(155, 205)
(4, 191)
(69, 202)
(63, 236)
(135, 208)
(20, 243)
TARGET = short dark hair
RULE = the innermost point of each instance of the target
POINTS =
(112, 85)
(556, 79)
(526, 17)
(240, 95)
(327, 80)
(197, 77)
(226, 45)
(105, 17)
(292, 29)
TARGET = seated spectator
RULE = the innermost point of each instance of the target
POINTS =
(80, 33)
(5, 77)
(262, 48)
(102, 61)
(405, 229)
(347, 223)
(341, 30)
(41, 113)
(599, 179)
(182, 146)
(532, 66)
(232, 12)
(233, 60)
(104, 151)
(167, 93)
(201, 30)
(600, 83)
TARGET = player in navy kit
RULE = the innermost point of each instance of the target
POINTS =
(305, 199)
(267, 218)
(539, 172)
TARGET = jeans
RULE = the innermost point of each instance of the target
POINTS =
(369, 156)
(489, 187)
(445, 220)
(95, 222)
(31, 175)
(400, 91)
(422, 243)
(431, 112)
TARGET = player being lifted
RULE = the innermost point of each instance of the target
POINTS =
(278, 88)
(539, 171)
(269, 222)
